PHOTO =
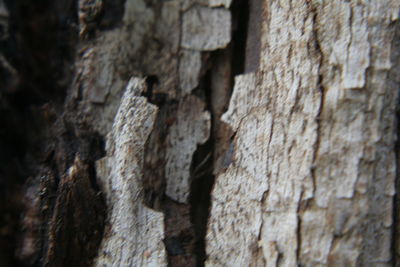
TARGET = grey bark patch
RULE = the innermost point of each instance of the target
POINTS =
(137, 230)
(206, 28)
(245, 96)
(189, 70)
(253, 43)
(192, 127)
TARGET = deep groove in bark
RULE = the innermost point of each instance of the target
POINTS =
(201, 184)
(240, 21)
(211, 155)
(394, 76)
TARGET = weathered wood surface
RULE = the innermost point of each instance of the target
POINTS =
(313, 176)
(134, 231)
(166, 41)
(303, 156)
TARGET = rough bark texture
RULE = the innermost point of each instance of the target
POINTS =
(313, 176)
(134, 230)
(199, 133)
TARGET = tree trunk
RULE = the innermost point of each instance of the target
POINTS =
(199, 133)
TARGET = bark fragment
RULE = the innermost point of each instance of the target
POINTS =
(135, 232)
(192, 128)
(189, 70)
(206, 28)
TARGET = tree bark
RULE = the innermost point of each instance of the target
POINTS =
(313, 176)
(199, 133)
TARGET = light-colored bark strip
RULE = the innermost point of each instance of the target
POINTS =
(134, 232)
(189, 70)
(312, 180)
(236, 216)
(355, 162)
(244, 98)
(192, 128)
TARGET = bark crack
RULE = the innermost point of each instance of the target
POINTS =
(215, 88)
(394, 76)
(321, 92)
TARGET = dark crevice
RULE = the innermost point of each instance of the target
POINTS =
(319, 86)
(38, 34)
(153, 96)
(200, 197)
(92, 166)
(41, 139)
(35, 58)
(151, 81)
(215, 155)
(113, 12)
(240, 22)
(202, 182)
(394, 78)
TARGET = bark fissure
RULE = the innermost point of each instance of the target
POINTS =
(202, 179)
(220, 144)
(240, 23)
(394, 75)
(321, 89)
(190, 238)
